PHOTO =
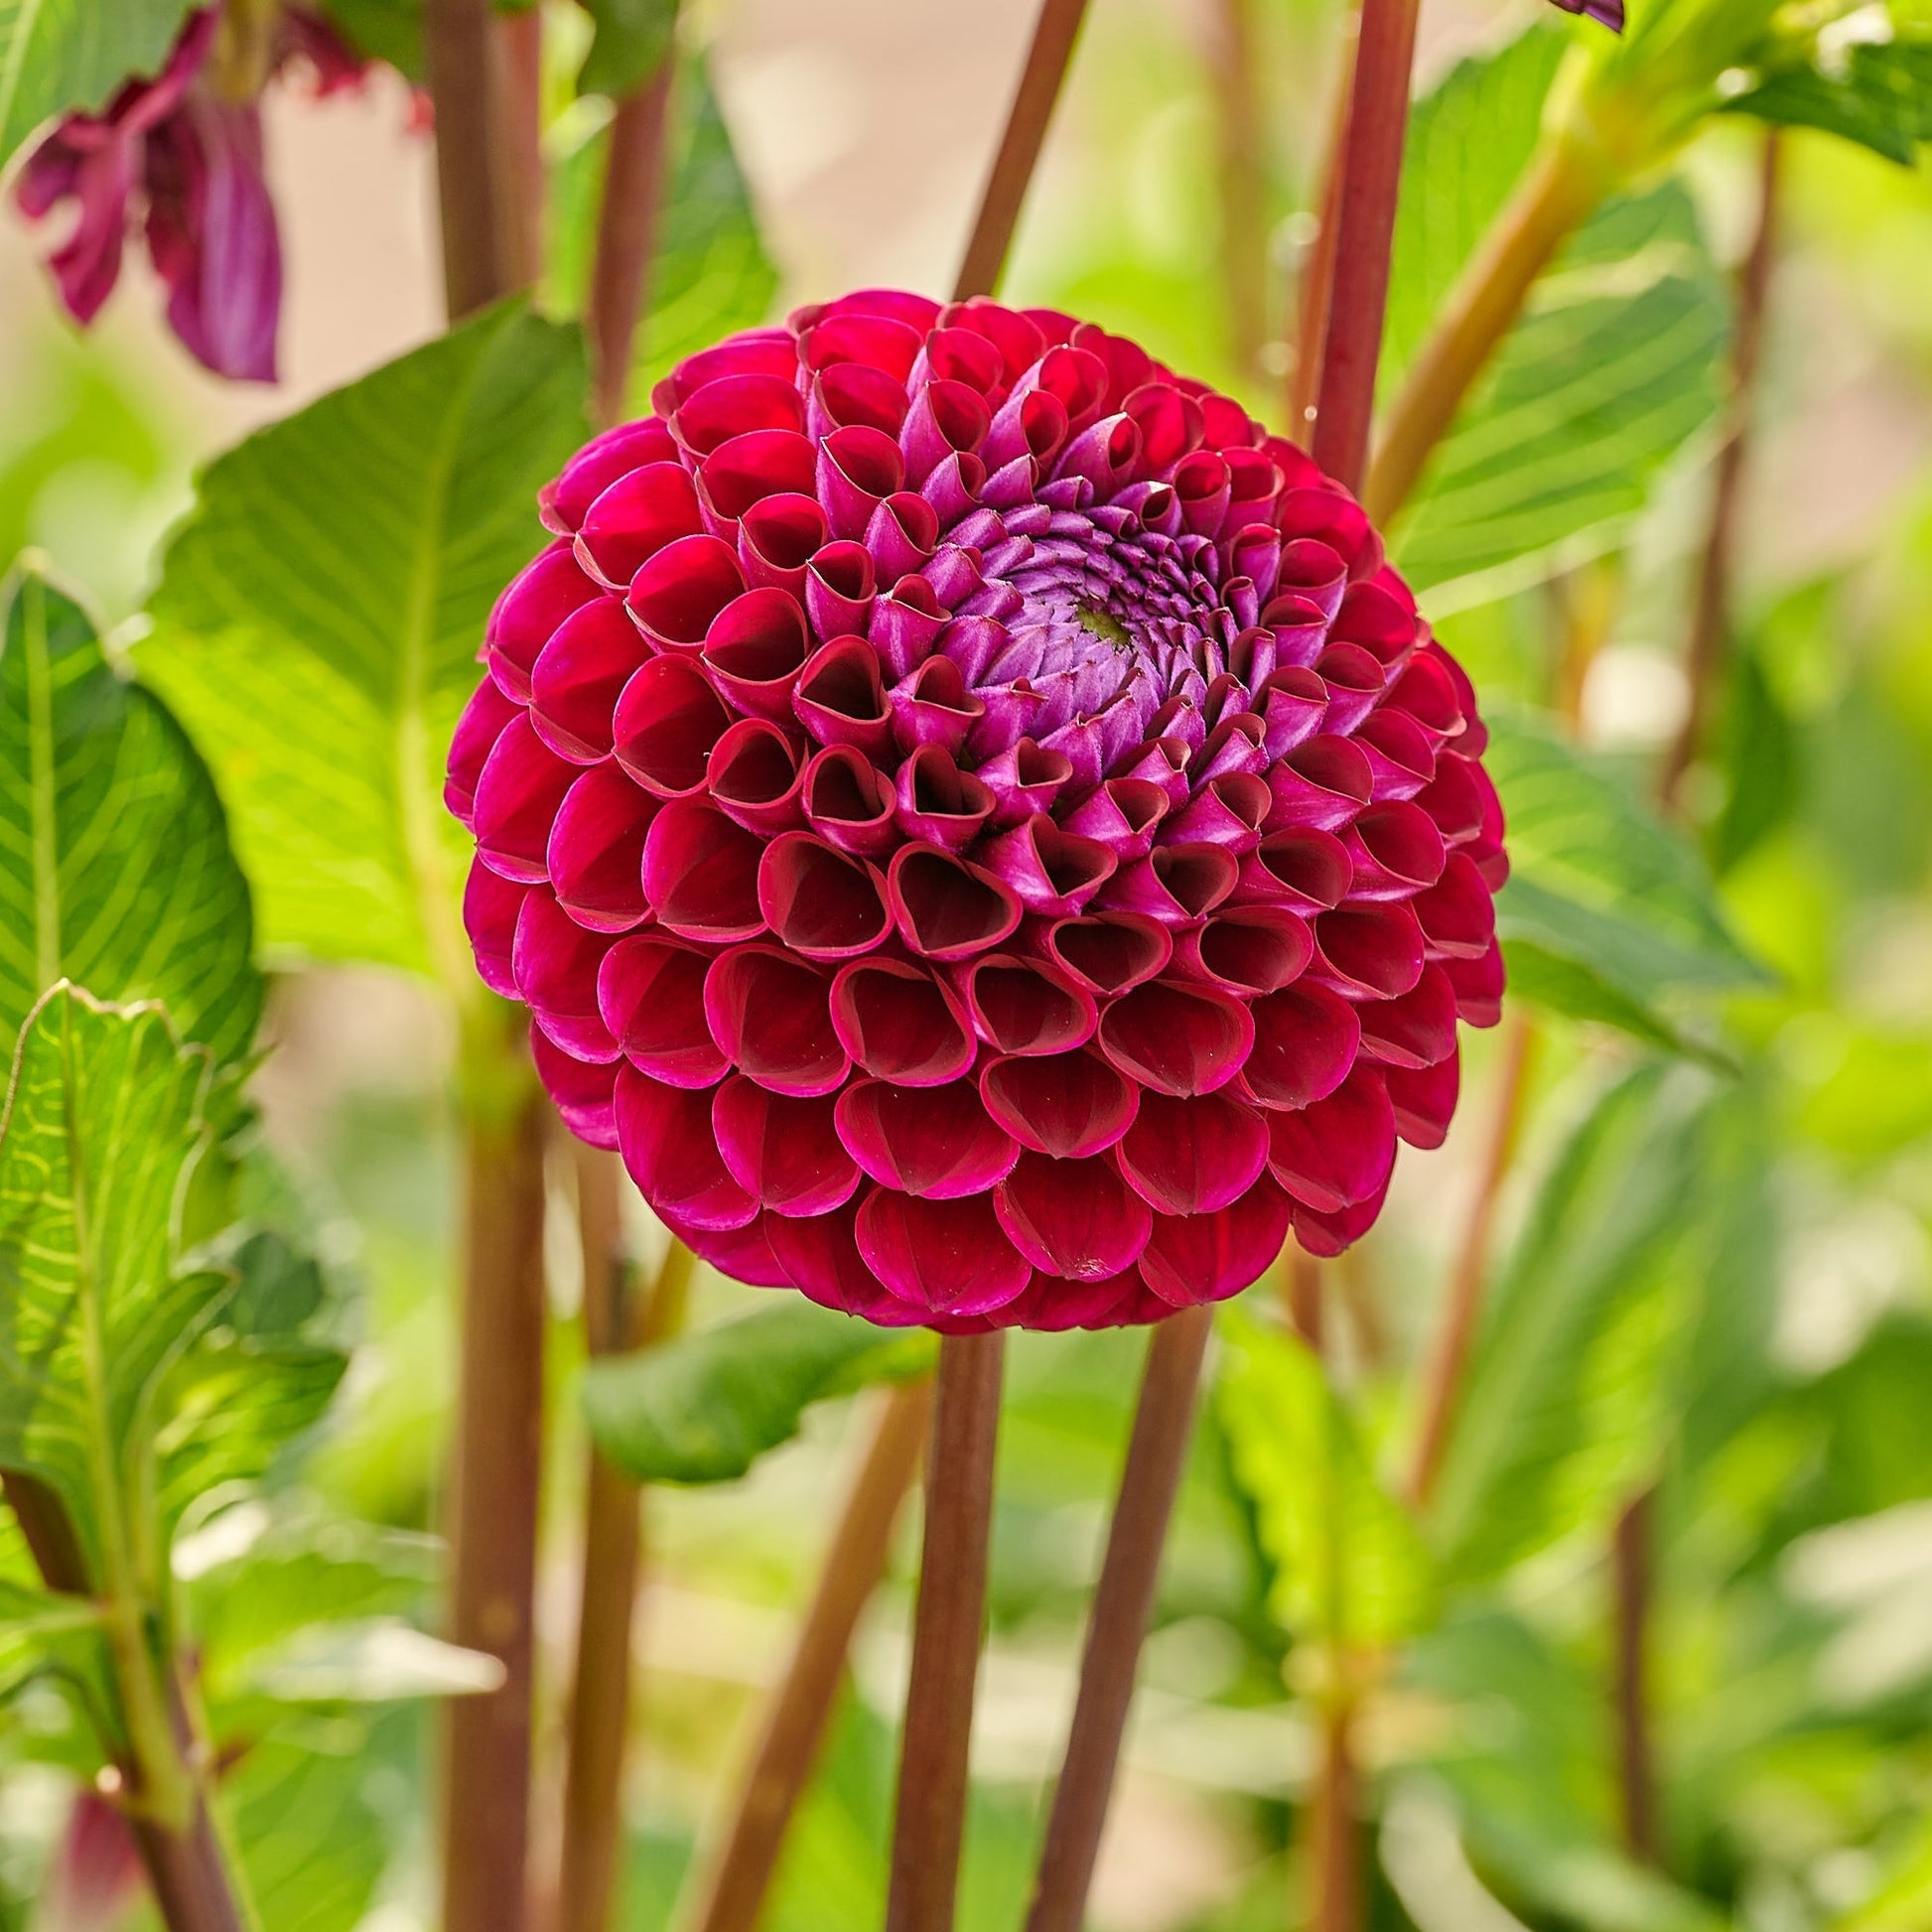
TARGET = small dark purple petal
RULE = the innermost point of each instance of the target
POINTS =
(664, 1135)
(1177, 1040)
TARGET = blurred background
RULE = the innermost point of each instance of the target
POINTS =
(1791, 1637)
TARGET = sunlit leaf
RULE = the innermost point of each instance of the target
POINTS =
(705, 1406)
(1877, 93)
(1568, 1391)
(632, 38)
(381, 1660)
(42, 1631)
(1349, 1566)
(57, 56)
(318, 622)
(114, 865)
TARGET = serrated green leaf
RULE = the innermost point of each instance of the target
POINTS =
(705, 1406)
(319, 616)
(1613, 367)
(1879, 95)
(102, 1126)
(1568, 1393)
(1608, 911)
(631, 41)
(114, 865)
(58, 56)
(1349, 1566)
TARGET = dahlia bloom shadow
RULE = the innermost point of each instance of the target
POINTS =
(977, 823)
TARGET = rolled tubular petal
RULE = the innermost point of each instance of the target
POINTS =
(978, 822)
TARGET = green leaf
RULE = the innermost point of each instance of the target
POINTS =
(705, 1406)
(319, 616)
(1568, 1395)
(380, 1660)
(1606, 910)
(114, 865)
(384, 30)
(1349, 1566)
(1758, 748)
(58, 56)
(631, 41)
(102, 1128)
(1613, 367)
(1876, 93)
(41, 1630)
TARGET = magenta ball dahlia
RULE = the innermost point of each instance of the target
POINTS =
(977, 823)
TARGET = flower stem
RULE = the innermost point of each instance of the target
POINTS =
(1012, 167)
(1443, 1377)
(1244, 222)
(473, 179)
(737, 1872)
(1122, 1601)
(1711, 614)
(1318, 268)
(1563, 185)
(497, 1475)
(1335, 1838)
(615, 1319)
(519, 47)
(1371, 174)
(626, 237)
(929, 1819)
(1630, 1577)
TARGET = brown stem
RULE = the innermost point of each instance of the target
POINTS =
(615, 1319)
(1026, 130)
(49, 1532)
(472, 168)
(1335, 1836)
(496, 1472)
(1371, 174)
(1122, 1601)
(737, 1870)
(1318, 268)
(1562, 186)
(1462, 1305)
(1244, 246)
(520, 53)
(1710, 615)
(1303, 1295)
(930, 1820)
(626, 237)
(1630, 1571)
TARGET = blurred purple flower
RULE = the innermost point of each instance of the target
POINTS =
(1606, 13)
(189, 145)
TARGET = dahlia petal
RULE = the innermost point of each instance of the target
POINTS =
(1400, 758)
(1226, 811)
(768, 1012)
(1109, 952)
(667, 719)
(945, 1256)
(1177, 1040)
(1335, 1153)
(1478, 985)
(582, 1093)
(1354, 680)
(904, 624)
(1375, 618)
(744, 1254)
(1174, 884)
(579, 676)
(848, 394)
(1249, 950)
(1030, 423)
(1053, 872)
(858, 468)
(1024, 780)
(1423, 1099)
(733, 405)
(478, 730)
(761, 462)
(1076, 1218)
(1326, 1235)
(880, 327)
(754, 777)
(1321, 784)
(933, 707)
(1025, 1007)
(937, 802)
(1052, 1305)
(945, 909)
(777, 540)
(946, 416)
(903, 535)
(849, 803)
(820, 902)
(1201, 1258)
(518, 790)
(1193, 1157)
(664, 1135)
(1122, 814)
(701, 873)
(783, 1149)
(755, 650)
(938, 1143)
(1395, 849)
(635, 517)
(1294, 703)
(1305, 1040)
(840, 585)
(1457, 914)
(596, 854)
(1163, 762)
(752, 351)
(1172, 426)
(1416, 1029)
(490, 904)
(1069, 1106)
(651, 992)
(1427, 692)
(822, 1260)
(953, 354)
(899, 1024)
(539, 597)
(680, 589)
(1302, 871)
(841, 699)
(1309, 569)
(1371, 949)
(597, 466)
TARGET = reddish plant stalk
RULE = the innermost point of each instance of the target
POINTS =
(1012, 167)
(1630, 1575)
(520, 54)
(463, 64)
(1710, 615)
(1242, 171)
(498, 1463)
(737, 1870)
(626, 237)
(1443, 1377)
(1335, 1836)
(929, 1819)
(1301, 1295)
(1319, 267)
(1122, 1601)
(615, 1319)
(1371, 174)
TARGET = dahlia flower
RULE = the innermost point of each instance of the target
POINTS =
(977, 823)
(186, 148)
